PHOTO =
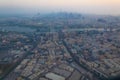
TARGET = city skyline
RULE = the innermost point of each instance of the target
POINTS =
(102, 7)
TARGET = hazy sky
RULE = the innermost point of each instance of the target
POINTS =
(82, 6)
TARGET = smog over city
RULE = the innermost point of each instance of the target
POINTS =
(59, 39)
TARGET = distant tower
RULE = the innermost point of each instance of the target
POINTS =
(105, 28)
(50, 31)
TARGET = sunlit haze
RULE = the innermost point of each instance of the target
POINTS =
(111, 7)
